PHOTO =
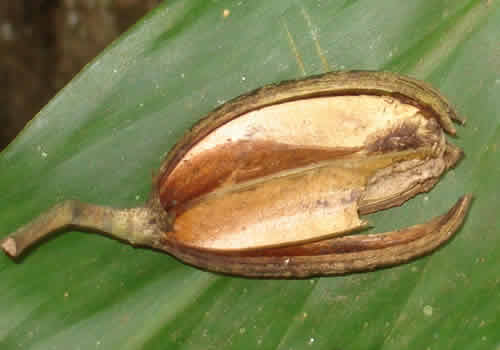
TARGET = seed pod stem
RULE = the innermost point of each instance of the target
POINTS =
(137, 226)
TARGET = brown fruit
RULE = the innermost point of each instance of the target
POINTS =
(264, 185)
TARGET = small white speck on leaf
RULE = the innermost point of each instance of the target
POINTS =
(428, 310)
(226, 13)
(6, 31)
(73, 18)
(42, 152)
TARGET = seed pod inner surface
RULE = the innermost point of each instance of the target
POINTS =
(301, 171)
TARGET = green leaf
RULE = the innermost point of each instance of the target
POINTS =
(101, 139)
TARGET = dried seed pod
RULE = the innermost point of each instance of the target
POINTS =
(264, 185)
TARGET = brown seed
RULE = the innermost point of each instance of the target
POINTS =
(264, 185)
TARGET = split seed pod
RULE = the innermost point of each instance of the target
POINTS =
(271, 183)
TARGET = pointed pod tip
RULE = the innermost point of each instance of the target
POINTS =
(466, 200)
(458, 212)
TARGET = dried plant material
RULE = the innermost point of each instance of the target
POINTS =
(271, 183)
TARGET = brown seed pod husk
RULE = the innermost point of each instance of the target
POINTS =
(273, 183)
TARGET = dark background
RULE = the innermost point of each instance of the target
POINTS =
(44, 43)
